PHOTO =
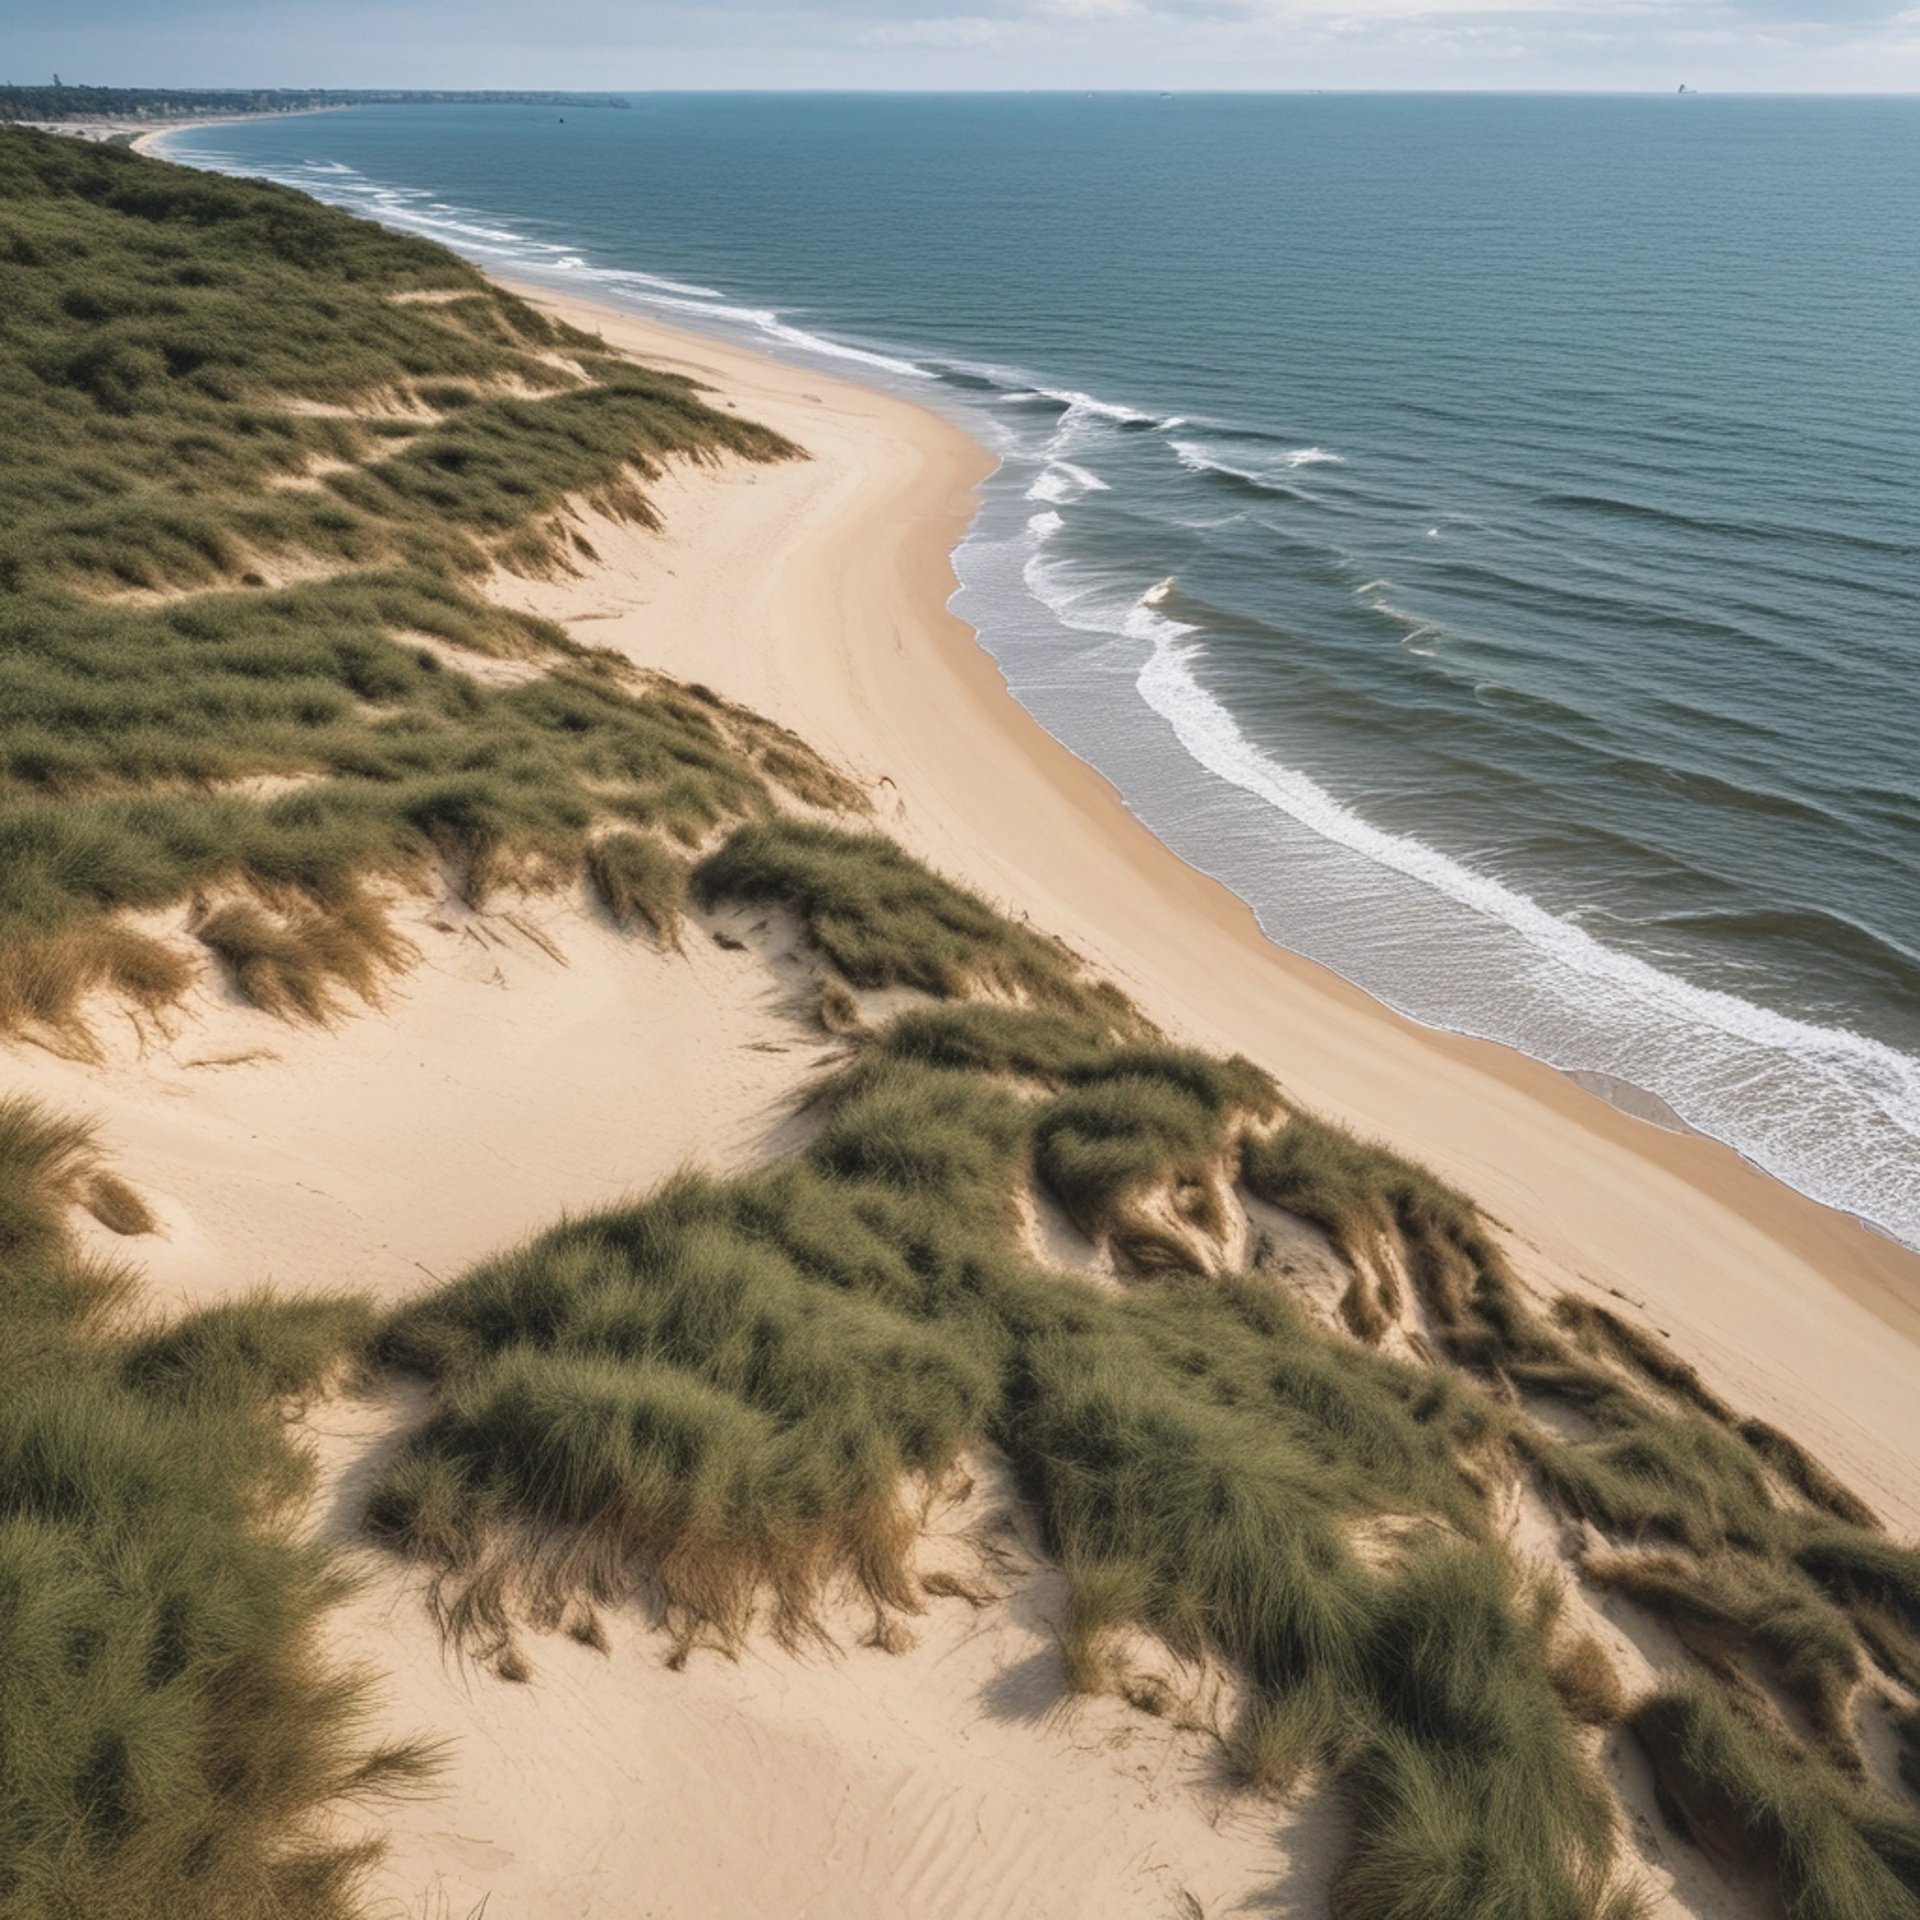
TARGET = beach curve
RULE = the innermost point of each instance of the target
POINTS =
(819, 594)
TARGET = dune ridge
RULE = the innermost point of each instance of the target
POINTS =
(831, 1327)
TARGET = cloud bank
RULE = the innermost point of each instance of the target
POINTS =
(1775, 45)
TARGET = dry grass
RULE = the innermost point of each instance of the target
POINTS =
(45, 978)
(1583, 1675)
(299, 964)
(117, 1206)
(1599, 1329)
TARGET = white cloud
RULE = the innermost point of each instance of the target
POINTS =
(948, 32)
(1722, 44)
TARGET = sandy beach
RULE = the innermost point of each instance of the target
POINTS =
(533, 1062)
(956, 1775)
(817, 593)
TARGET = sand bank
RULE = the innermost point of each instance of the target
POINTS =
(816, 593)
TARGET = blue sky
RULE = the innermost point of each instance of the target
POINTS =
(1725, 45)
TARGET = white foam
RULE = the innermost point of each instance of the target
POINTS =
(1831, 1111)
(1077, 406)
(1372, 594)
(1199, 459)
(399, 206)
(767, 321)
(1212, 736)
(1062, 481)
(1313, 457)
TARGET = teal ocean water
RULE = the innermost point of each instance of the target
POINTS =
(1483, 531)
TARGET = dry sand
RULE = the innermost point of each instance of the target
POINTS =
(536, 1062)
(816, 593)
(533, 1062)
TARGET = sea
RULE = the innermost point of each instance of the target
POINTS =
(1483, 531)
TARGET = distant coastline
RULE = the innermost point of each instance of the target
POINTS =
(47, 106)
(129, 116)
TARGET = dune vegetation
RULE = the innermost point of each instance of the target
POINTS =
(261, 460)
(168, 1727)
(728, 1401)
(268, 459)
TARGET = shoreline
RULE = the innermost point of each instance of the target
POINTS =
(629, 1193)
(1626, 1095)
(143, 142)
(825, 605)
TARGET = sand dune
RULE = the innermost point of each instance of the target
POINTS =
(535, 1062)
(815, 593)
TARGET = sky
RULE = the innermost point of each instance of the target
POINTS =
(1711, 45)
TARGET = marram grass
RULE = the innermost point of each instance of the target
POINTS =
(252, 494)
(251, 497)
(169, 1727)
(676, 1402)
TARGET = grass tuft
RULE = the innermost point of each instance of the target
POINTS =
(1584, 1677)
(297, 965)
(1814, 1483)
(117, 1206)
(1384, 1215)
(640, 883)
(1739, 1608)
(44, 978)
(883, 920)
(256, 1349)
(1471, 1793)
(1141, 1122)
(1746, 1794)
